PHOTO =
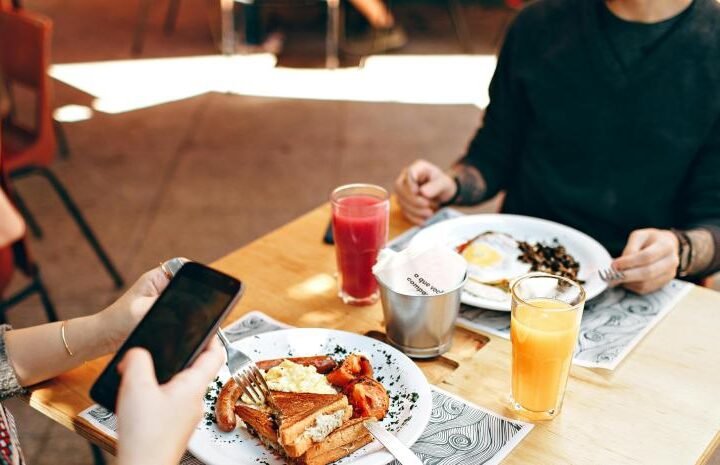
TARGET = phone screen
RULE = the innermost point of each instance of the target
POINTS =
(176, 327)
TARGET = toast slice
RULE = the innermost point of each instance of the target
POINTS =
(304, 419)
(261, 423)
(350, 437)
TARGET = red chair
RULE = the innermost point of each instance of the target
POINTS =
(27, 151)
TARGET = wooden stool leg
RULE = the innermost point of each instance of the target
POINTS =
(227, 32)
(138, 40)
(171, 16)
(460, 26)
(332, 38)
(63, 147)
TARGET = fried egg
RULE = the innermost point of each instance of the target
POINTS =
(493, 258)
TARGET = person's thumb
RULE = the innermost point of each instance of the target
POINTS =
(636, 241)
(436, 188)
(137, 368)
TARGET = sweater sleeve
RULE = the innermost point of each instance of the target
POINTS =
(495, 147)
(9, 384)
(700, 203)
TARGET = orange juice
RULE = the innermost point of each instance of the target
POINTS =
(544, 334)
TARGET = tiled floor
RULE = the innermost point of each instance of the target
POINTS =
(204, 175)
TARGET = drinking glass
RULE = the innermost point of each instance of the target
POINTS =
(360, 217)
(544, 325)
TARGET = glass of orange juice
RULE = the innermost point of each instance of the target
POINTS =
(544, 325)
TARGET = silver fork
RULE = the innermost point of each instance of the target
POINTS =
(611, 274)
(244, 371)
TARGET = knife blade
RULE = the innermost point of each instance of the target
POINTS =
(399, 450)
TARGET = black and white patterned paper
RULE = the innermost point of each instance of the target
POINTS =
(458, 432)
(461, 433)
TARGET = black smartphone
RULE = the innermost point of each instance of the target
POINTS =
(176, 328)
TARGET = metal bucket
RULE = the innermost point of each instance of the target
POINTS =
(421, 326)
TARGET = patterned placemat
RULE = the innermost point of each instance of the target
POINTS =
(458, 432)
(613, 323)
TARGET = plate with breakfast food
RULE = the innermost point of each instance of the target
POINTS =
(324, 384)
(500, 248)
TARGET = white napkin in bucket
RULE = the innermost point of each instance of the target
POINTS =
(420, 270)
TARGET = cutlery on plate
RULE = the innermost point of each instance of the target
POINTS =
(244, 371)
(399, 450)
(611, 274)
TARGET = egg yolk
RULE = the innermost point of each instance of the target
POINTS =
(482, 255)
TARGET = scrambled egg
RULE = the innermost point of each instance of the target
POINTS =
(292, 377)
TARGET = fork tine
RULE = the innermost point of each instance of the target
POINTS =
(611, 274)
(256, 385)
(262, 384)
(245, 385)
(251, 376)
(259, 398)
(603, 275)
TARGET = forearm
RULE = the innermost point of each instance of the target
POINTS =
(704, 257)
(471, 186)
(38, 353)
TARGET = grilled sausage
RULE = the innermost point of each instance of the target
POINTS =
(322, 363)
(368, 398)
(225, 406)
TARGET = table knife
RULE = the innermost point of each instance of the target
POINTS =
(399, 450)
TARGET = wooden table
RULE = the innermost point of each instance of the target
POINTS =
(661, 406)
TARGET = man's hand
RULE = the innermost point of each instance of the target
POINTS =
(155, 422)
(649, 261)
(421, 188)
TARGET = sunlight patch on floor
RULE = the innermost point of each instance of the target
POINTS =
(127, 85)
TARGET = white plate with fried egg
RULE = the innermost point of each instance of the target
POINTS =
(407, 387)
(493, 256)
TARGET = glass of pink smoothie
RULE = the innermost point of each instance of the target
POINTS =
(360, 217)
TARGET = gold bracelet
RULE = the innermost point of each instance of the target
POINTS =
(64, 339)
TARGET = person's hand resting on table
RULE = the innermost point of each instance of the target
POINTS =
(155, 421)
(421, 188)
(649, 261)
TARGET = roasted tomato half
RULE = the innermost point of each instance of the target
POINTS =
(368, 398)
(354, 366)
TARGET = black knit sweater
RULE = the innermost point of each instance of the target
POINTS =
(574, 136)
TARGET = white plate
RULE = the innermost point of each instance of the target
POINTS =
(589, 253)
(400, 376)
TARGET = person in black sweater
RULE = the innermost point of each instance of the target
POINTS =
(605, 116)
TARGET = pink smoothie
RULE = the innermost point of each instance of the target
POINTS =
(360, 231)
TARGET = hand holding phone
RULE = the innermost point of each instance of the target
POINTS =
(156, 421)
(177, 326)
